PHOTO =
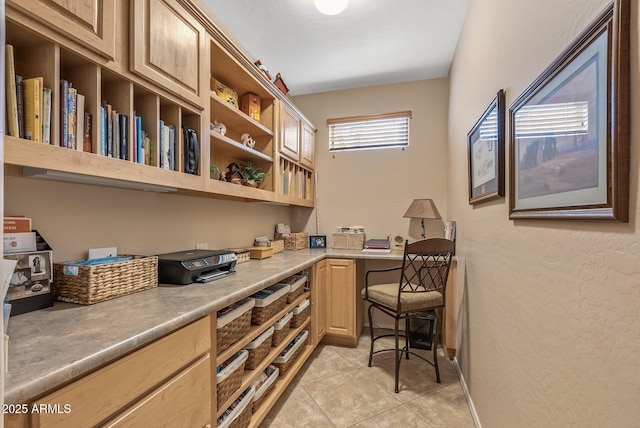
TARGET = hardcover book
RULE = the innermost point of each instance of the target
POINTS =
(10, 92)
(17, 224)
(32, 125)
(64, 118)
(79, 121)
(88, 133)
(124, 136)
(46, 115)
(72, 105)
(20, 101)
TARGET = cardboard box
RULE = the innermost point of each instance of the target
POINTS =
(31, 286)
(250, 105)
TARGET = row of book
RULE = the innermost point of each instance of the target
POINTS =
(296, 182)
(75, 122)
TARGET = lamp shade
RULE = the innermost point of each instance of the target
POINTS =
(422, 208)
(331, 7)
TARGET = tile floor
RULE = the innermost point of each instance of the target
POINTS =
(335, 388)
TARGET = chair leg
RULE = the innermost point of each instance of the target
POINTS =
(371, 331)
(406, 337)
(434, 344)
(398, 353)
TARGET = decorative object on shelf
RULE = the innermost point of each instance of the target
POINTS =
(398, 242)
(252, 175)
(214, 172)
(250, 105)
(421, 209)
(248, 141)
(263, 68)
(224, 92)
(331, 7)
(318, 241)
(218, 127)
(233, 174)
(486, 153)
(570, 130)
(280, 84)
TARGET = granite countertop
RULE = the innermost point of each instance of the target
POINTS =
(52, 346)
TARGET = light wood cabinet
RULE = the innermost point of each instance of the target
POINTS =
(307, 147)
(102, 394)
(343, 319)
(88, 22)
(289, 133)
(183, 401)
(319, 301)
(168, 47)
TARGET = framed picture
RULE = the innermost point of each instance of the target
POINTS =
(569, 138)
(317, 241)
(486, 153)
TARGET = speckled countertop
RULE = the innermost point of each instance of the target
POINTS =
(52, 346)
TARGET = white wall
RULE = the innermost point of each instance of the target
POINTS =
(374, 188)
(551, 313)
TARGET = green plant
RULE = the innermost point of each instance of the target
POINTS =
(253, 174)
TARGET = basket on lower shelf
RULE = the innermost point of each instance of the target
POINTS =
(300, 313)
(269, 302)
(264, 385)
(229, 376)
(238, 415)
(296, 284)
(258, 349)
(281, 329)
(86, 284)
(233, 322)
(290, 354)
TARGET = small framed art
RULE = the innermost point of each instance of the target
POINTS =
(486, 153)
(317, 241)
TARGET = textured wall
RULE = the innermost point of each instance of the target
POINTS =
(374, 188)
(551, 309)
(75, 217)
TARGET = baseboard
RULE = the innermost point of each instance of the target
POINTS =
(472, 409)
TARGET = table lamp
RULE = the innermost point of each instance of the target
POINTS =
(422, 208)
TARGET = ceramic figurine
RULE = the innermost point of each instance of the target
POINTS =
(248, 141)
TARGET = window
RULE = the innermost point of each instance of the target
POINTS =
(559, 120)
(369, 132)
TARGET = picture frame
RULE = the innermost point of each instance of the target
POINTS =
(569, 131)
(317, 241)
(486, 142)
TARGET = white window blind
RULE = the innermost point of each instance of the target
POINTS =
(558, 120)
(369, 132)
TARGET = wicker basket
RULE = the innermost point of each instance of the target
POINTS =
(258, 349)
(277, 245)
(281, 329)
(297, 283)
(267, 306)
(300, 314)
(238, 415)
(295, 241)
(87, 285)
(229, 379)
(234, 324)
(349, 241)
(284, 362)
(264, 388)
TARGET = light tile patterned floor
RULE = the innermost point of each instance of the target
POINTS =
(335, 388)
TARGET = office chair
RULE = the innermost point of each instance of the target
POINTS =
(422, 285)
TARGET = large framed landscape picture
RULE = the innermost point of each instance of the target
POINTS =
(569, 131)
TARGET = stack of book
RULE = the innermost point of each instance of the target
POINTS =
(75, 122)
(377, 245)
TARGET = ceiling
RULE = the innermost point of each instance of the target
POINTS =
(372, 42)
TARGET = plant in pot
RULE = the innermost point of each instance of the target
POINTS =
(252, 175)
(214, 172)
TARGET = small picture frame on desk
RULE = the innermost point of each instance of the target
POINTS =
(317, 241)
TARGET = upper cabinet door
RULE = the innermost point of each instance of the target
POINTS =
(289, 134)
(168, 47)
(308, 145)
(89, 22)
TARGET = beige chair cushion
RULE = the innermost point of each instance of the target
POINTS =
(387, 295)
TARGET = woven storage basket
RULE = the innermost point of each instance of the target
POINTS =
(268, 305)
(258, 349)
(281, 329)
(300, 314)
(297, 283)
(295, 241)
(87, 285)
(349, 241)
(277, 245)
(229, 379)
(234, 325)
(284, 362)
(238, 415)
(264, 388)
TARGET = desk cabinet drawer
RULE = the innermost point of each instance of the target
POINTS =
(184, 401)
(103, 393)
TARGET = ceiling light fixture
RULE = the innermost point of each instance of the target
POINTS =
(331, 7)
